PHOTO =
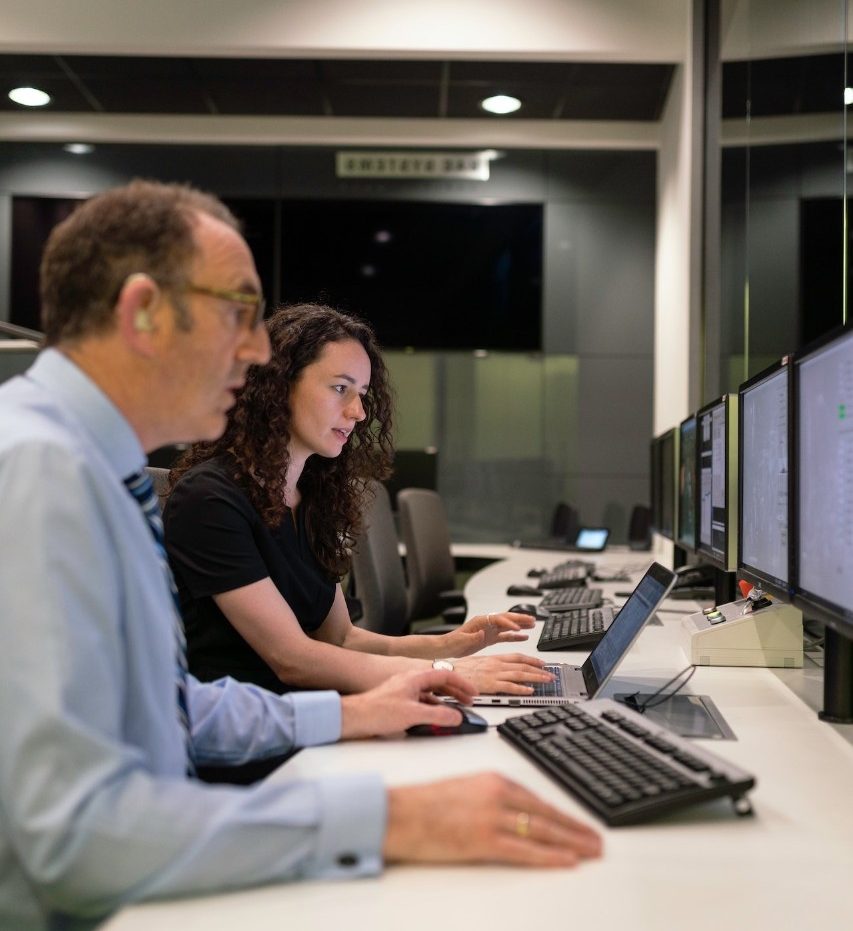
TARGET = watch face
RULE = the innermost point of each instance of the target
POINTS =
(442, 664)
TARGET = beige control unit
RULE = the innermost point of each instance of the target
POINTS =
(734, 635)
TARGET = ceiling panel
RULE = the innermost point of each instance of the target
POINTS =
(368, 88)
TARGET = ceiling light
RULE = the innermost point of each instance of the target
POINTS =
(29, 97)
(848, 96)
(500, 103)
(78, 148)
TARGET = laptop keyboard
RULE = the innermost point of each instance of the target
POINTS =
(619, 765)
(565, 599)
(553, 689)
(574, 630)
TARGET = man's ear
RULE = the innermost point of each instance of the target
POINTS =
(136, 311)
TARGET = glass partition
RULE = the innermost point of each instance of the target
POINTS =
(506, 428)
(783, 255)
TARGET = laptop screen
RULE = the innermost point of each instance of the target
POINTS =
(592, 538)
(626, 627)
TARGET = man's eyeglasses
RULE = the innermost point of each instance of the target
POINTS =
(251, 305)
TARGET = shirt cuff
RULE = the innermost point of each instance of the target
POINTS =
(352, 828)
(316, 718)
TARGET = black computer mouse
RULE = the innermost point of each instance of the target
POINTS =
(539, 614)
(471, 723)
(523, 590)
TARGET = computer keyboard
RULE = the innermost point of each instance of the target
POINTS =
(621, 766)
(563, 577)
(565, 599)
(575, 630)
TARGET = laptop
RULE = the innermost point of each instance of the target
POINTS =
(579, 683)
(587, 540)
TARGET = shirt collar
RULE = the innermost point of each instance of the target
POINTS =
(97, 414)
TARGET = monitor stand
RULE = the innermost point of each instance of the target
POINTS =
(837, 679)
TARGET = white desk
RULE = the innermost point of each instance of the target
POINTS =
(788, 867)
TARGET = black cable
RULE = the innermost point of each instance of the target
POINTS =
(633, 702)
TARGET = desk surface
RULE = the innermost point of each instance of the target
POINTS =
(787, 867)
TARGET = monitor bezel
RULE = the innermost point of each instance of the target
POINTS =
(752, 574)
(654, 490)
(813, 606)
(679, 540)
(661, 441)
(729, 564)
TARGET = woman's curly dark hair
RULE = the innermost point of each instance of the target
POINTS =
(257, 435)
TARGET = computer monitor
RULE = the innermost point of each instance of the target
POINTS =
(822, 565)
(764, 474)
(716, 505)
(668, 443)
(686, 527)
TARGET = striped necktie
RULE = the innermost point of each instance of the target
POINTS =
(140, 486)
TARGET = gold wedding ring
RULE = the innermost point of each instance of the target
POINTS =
(522, 824)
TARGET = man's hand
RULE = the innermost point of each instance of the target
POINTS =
(482, 819)
(484, 630)
(403, 700)
(505, 673)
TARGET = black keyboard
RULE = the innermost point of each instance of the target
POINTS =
(575, 630)
(621, 766)
(565, 599)
(563, 577)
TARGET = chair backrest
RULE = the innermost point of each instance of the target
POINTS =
(380, 584)
(639, 528)
(565, 522)
(429, 562)
(160, 481)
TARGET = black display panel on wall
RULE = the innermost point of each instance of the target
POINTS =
(428, 275)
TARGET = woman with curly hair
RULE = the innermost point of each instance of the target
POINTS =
(259, 524)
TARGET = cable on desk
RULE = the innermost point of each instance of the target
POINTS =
(633, 700)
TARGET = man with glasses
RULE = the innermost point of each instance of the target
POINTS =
(152, 311)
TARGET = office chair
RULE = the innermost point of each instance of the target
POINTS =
(378, 570)
(429, 562)
(565, 522)
(160, 480)
(380, 583)
(639, 528)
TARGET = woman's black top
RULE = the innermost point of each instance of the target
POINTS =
(217, 542)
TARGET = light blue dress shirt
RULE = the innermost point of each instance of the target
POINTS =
(95, 809)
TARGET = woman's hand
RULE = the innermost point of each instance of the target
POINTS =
(503, 673)
(484, 630)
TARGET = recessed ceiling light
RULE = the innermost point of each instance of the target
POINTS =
(29, 97)
(78, 148)
(848, 96)
(501, 103)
